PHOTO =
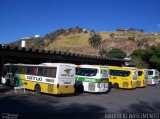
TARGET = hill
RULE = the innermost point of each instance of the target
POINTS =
(75, 40)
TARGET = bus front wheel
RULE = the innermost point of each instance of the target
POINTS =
(37, 88)
(109, 87)
(116, 85)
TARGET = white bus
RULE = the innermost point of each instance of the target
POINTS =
(51, 78)
(153, 76)
(92, 78)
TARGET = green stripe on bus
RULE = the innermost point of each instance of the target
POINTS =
(94, 80)
(155, 78)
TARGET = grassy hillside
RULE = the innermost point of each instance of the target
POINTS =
(75, 40)
(73, 43)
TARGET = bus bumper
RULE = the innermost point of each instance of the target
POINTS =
(65, 89)
(152, 82)
(142, 83)
(130, 86)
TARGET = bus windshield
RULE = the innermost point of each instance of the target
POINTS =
(150, 72)
(140, 73)
(86, 71)
(119, 73)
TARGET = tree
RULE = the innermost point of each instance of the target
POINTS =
(138, 53)
(138, 62)
(150, 56)
(95, 40)
(116, 52)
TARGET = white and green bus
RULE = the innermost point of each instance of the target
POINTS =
(92, 78)
(153, 76)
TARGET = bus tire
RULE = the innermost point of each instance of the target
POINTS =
(8, 83)
(109, 87)
(80, 89)
(116, 85)
(110, 84)
(37, 88)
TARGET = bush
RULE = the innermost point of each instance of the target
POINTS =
(116, 52)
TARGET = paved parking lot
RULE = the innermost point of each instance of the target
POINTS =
(86, 105)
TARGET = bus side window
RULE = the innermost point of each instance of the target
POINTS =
(51, 72)
(14, 70)
(19, 69)
(35, 70)
(41, 71)
(32, 71)
(25, 69)
(93, 72)
(127, 73)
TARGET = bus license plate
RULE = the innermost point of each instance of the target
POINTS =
(91, 86)
(66, 86)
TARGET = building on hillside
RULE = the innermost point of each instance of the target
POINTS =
(36, 36)
(25, 38)
(86, 30)
(123, 30)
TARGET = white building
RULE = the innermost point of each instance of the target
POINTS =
(37, 36)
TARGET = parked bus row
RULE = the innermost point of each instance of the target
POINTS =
(62, 78)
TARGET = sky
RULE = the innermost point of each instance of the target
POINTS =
(23, 18)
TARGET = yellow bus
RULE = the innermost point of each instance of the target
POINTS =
(121, 77)
(51, 78)
(142, 78)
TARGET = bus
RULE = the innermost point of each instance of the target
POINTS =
(92, 78)
(142, 78)
(123, 77)
(50, 78)
(153, 76)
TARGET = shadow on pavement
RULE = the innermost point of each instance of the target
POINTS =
(4, 89)
(29, 107)
(143, 107)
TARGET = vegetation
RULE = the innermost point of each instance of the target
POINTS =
(139, 63)
(96, 41)
(143, 47)
(76, 40)
(115, 52)
(148, 58)
(112, 35)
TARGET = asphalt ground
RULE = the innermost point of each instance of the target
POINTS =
(86, 105)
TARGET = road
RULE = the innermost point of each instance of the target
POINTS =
(86, 105)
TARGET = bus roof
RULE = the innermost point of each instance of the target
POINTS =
(56, 64)
(121, 68)
(91, 66)
(43, 64)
